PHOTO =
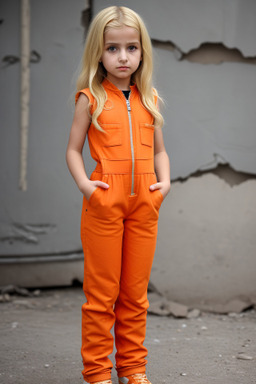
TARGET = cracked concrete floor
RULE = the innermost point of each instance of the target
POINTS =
(40, 344)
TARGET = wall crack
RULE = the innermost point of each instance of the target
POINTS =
(223, 170)
(26, 233)
(207, 53)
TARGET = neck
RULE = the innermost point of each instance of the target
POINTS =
(122, 84)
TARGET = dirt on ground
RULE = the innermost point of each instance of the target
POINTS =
(40, 343)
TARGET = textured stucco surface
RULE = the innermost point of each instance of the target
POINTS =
(209, 113)
(191, 23)
(40, 220)
(208, 108)
(206, 242)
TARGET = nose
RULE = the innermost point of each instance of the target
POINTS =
(122, 56)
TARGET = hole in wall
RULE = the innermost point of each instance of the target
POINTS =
(206, 53)
(224, 172)
(216, 53)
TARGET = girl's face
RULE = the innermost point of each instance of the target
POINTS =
(121, 55)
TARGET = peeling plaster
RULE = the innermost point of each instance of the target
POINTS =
(206, 53)
(26, 233)
(208, 110)
(191, 23)
(224, 172)
(42, 258)
(217, 53)
(206, 241)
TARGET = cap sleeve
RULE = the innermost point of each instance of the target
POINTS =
(87, 93)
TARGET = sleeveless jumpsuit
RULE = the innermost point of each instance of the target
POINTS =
(118, 233)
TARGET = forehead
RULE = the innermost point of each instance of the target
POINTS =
(120, 35)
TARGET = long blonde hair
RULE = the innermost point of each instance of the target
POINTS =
(92, 72)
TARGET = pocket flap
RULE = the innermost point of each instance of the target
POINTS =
(147, 134)
(112, 134)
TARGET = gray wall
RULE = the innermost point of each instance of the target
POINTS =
(40, 220)
(205, 56)
(210, 116)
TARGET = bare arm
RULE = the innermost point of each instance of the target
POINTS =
(79, 128)
(162, 164)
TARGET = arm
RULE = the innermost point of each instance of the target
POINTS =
(162, 164)
(79, 128)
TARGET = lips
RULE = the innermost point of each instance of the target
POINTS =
(123, 68)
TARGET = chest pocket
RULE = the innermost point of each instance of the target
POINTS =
(147, 134)
(112, 135)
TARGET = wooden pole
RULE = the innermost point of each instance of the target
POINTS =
(24, 91)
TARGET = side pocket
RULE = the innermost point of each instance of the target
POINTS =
(98, 195)
(147, 134)
(157, 198)
(91, 198)
(83, 218)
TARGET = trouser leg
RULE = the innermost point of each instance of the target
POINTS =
(118, 259)
(140, 233)
(102, 244)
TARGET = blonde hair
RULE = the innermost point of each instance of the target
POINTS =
(92, 73)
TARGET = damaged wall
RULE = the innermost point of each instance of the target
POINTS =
(206, 243)
(37, 222)
(205, 55)
(191, 23)
(208, 108)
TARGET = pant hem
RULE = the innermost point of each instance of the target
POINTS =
(97, 377)
(131, 371)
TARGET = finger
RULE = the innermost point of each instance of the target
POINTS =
(101, 184)
(155, 186)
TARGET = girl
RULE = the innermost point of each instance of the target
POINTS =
(116, 107)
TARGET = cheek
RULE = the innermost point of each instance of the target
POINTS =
(107, 59)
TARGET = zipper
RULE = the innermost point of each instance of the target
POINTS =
(131, 141)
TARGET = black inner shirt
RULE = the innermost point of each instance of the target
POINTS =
(127, 94)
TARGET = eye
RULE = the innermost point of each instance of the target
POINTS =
(132, 48)
(111, 49)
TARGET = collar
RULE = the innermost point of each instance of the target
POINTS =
(108, 85)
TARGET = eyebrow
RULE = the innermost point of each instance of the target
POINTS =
(128, 43)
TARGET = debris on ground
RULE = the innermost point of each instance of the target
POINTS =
(232, 306)
(8, 290)
(243, 356)
(43, 345)
(162, 307)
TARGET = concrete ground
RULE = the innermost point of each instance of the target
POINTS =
(40, 344)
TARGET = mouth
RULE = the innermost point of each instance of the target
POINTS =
(122, 68)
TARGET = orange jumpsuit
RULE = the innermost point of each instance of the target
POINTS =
(118, 233)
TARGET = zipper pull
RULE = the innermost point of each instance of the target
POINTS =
(128, 105)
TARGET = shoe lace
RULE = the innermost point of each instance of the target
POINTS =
(141, 378)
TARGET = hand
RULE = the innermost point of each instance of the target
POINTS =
(163, 186)
(89, 186)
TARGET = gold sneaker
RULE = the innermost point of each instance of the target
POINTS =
(137, 378)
